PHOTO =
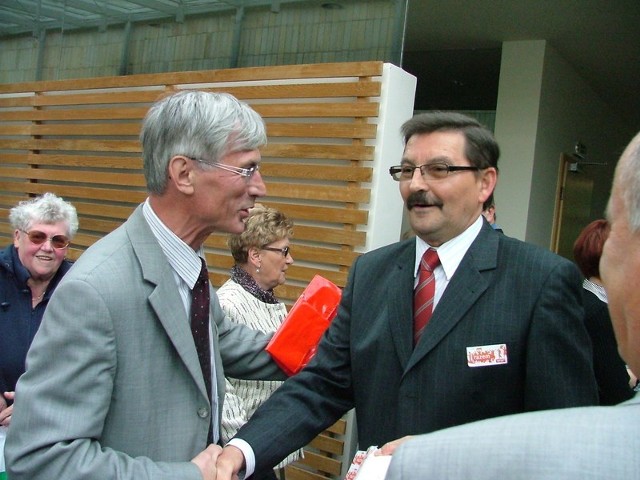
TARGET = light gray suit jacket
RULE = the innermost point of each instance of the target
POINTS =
(576, 443)
(113, 387)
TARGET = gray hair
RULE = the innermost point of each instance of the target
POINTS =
(629, 178)
(196, 124)
(47, 208)
(481, 148)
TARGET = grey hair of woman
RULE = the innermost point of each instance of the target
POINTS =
(47, 208)
(196, 124)
(264, 225)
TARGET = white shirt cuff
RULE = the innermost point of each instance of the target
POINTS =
(249, 456)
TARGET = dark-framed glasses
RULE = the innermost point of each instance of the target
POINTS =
(284, 251)
(429, 171)
(38, 238)
(247, 173)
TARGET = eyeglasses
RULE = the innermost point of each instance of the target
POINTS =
(284, 251)
(429, 171)
(247, 173)
(38, 238)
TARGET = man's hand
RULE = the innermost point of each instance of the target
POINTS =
(389, 448)
(230, 462)
(206, 461)
(6, 411)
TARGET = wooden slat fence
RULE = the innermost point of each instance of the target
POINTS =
(79, 139)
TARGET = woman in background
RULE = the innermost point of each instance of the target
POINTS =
(30, 269)
(610, 369)
(262, 257)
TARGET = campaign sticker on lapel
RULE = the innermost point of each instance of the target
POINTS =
(487, 355)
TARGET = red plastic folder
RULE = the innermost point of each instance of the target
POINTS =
(295, 342)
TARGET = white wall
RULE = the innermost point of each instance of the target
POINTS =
(515, 130)
(544, 107)
(386, 206)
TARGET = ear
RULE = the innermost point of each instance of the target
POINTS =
(16, 242)
(181, 174)
(253, 256)
(488, 181)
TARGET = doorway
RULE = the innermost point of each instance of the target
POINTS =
(573, 205)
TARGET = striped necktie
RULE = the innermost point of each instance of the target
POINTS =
(424, 293)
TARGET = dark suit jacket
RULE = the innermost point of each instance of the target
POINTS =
(19, 320)
(504, 292)
(610, 369)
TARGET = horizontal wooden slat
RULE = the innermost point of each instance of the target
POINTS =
(122, 113)
(294, 472)
(125, 146)
(298, 150)
(306, 90)
(100, 226)
(275, 130)
(70, 192)
(319, 213)
(78, 129)
(324, 110)
(316, 171)
(16, 101)
(75, 160)
(325, 70)
(322, 130)
(318, 192)
(364, 88)
(292, 110)
(321, 462)
(304, 233)
(329, 235)
(78, 176)
(103, 210)
(10, 200)
(338, 428)
(325, 443)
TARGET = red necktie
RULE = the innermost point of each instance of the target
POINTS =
(423, 295)
(200, 328)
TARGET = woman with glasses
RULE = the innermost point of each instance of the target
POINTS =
(30, 269)
(262, 257)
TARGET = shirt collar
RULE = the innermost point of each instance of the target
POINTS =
(597, 290)
(452, 251)
(182, 258)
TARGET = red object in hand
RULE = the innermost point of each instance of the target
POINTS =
(295, 342)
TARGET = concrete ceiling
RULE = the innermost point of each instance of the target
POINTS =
(458, 39)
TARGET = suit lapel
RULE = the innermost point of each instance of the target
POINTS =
(400, 294)
(464, 289)
(164, 298)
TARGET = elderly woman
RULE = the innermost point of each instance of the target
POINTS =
(30, 269)
(262, 256)
(610, 369)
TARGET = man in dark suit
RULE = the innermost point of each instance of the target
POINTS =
(572, 443)
(506, 334)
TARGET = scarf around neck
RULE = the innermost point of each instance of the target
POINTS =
(246, 281)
